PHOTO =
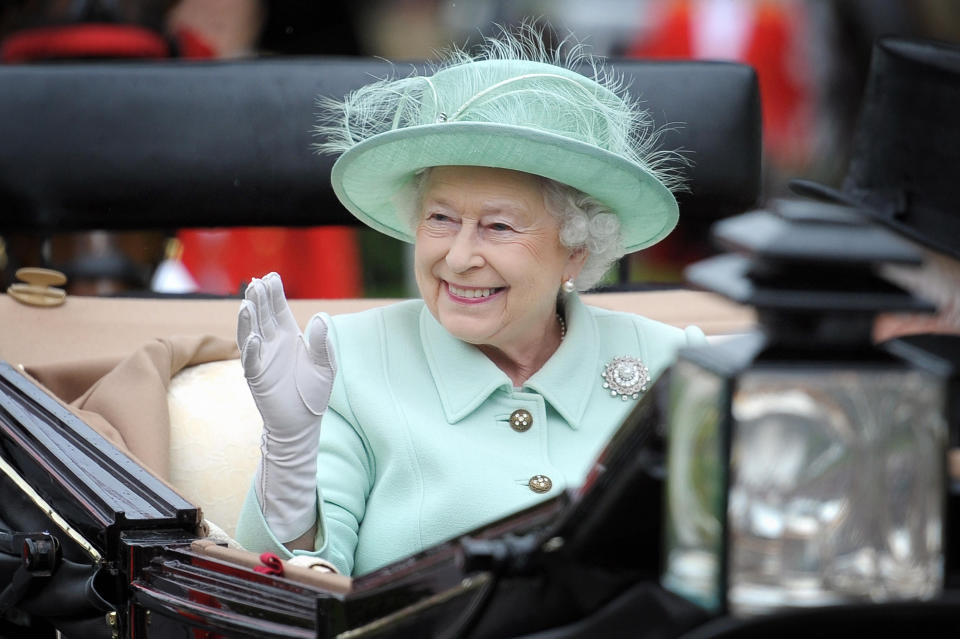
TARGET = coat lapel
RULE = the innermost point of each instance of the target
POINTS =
(465, 378)
(568, 378)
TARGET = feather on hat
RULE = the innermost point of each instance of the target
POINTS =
(512, 105)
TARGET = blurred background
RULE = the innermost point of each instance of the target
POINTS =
(811, 57)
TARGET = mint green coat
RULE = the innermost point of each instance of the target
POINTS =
(416, 446)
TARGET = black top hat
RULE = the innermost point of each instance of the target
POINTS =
(905, 167)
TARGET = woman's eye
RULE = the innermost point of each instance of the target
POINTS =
(438, 217)
(500, 226)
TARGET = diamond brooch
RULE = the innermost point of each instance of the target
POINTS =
(626, 376)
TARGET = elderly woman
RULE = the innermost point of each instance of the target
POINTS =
(519, 181)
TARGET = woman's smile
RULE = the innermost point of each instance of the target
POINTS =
(472, 294)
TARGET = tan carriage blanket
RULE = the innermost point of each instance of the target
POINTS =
(126, 400)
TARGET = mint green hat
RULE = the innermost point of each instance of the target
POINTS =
(511, 107)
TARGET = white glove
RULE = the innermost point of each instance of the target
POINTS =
(290, 378)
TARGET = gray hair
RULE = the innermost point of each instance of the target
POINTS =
(585, 223)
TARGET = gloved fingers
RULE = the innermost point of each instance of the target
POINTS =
(278, 302)
(250, 357)
(318, 343)
(257, 294)
(247, 323)
(316, 367)
(248, 338)
(248, 291)
(274, 286)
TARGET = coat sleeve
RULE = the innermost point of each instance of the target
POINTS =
(344, 479)
(345, 474)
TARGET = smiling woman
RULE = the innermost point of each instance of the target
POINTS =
(519, 181)
(488, 261)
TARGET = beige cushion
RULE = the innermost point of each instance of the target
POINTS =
(214, 438)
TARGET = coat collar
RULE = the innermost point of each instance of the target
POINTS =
(465, 378)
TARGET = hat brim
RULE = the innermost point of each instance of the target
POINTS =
(368, 177)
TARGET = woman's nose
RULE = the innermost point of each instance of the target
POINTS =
(463, 254)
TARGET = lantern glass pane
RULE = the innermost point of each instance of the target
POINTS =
(695, 487)
(837, 484)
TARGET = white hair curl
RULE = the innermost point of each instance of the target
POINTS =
(585, 223)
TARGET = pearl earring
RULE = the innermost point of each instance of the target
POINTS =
(568, 286)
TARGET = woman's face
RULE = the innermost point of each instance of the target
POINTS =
(488, 256)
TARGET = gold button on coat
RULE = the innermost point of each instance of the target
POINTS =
(521, 420)
(540, 483)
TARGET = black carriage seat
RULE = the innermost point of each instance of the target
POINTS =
(133, 145)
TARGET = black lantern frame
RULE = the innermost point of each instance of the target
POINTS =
(752, 415)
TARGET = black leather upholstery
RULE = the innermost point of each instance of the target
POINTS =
(162, 145)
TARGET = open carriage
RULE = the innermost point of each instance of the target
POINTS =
(111, 523)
